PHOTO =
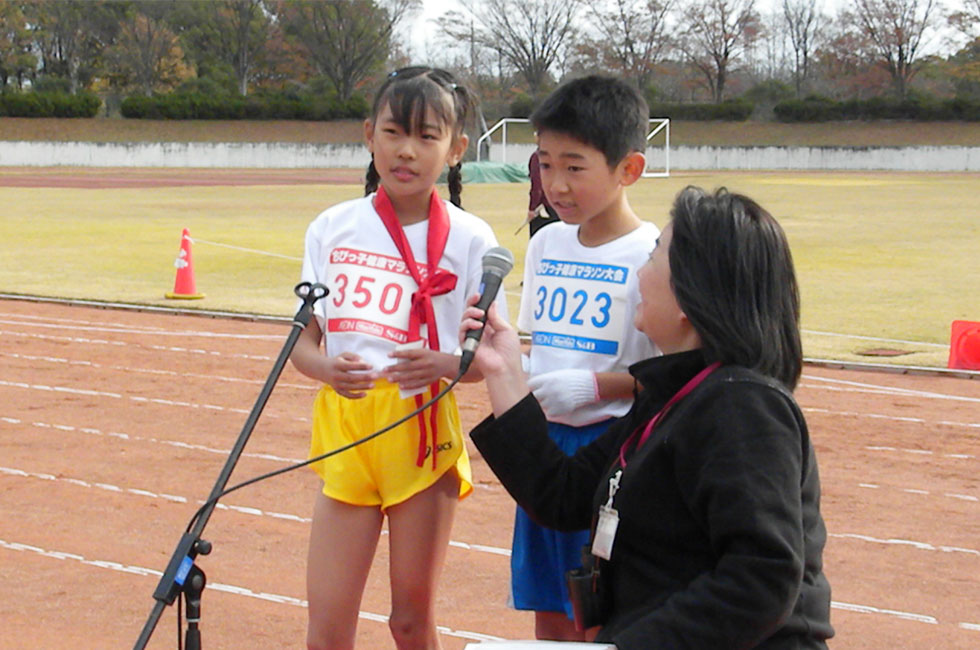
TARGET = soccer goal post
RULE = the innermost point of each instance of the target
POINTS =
(511, 140)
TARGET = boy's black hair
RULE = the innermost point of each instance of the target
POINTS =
(603, 112)
(732, 273)
(410, 92)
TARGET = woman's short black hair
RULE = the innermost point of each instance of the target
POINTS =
(732, 274)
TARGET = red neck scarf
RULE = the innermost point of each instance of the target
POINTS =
(435, 283)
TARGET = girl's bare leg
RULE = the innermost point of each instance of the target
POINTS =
(343, 539)
(420, 529)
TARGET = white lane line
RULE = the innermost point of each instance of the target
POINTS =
(257, 512)
(159, 348)
(167, 402)
(872, 338)
(150, 371)
(52, 319)
(920, 492)
(142, 400)
(245, 510)
(172, 443)
(125, 329)
(218, 586)
(861, 387)
(135, 438)
(867, 609)
(892, 418)
(922, 546)
(287, 460)
(920, 452)
(463, 634)
(312, 387)
(962, 497)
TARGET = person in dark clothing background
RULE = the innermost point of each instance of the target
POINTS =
(704, 500)
(537, 200)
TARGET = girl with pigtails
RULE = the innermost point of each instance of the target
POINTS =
(399, 264)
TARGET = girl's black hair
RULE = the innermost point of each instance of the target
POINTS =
(732, 273)
(409, 92)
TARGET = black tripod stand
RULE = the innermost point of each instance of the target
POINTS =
(182, 575)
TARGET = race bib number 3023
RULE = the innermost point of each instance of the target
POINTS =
(579, 306)
(369, 294)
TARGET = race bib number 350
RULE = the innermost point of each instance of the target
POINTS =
(369, 294)
(579, 306)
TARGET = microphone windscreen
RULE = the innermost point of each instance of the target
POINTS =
(498, 259)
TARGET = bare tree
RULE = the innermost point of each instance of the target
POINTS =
(463, 44)
(716, 35)
(531, 35)
(347, 40)
(967, 18)
(803, 21)
(897, 29)
(631, 36)
(845, 64)
(767, 55)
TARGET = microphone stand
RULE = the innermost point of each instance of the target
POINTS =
(182, 575)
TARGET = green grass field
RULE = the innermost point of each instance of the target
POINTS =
(878, 255)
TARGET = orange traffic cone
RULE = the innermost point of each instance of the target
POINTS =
(964, 345)
(184, 286)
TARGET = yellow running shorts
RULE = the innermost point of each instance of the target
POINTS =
(383, 472)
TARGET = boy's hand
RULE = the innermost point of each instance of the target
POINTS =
(349, 375)
(417, 368)
(562, 391)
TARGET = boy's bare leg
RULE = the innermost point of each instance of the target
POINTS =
(555, 626)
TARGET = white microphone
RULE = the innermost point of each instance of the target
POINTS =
(497, 263)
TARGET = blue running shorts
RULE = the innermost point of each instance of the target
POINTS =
(541, 556)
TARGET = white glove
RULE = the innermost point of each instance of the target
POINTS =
(562, 391)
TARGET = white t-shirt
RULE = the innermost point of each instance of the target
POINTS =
(578, 304)
(349, 251)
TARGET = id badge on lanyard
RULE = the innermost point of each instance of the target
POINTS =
(605, 529)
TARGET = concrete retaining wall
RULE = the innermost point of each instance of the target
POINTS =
(932, 159)
(182, 154)
(293, 155)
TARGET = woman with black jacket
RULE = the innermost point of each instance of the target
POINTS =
(704, 500)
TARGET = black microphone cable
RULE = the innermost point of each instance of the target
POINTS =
(310, 461)
(289, 468)
(497, 262)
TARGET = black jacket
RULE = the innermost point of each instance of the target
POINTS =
(720, 536)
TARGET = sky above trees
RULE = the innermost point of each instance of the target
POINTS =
(421, 29)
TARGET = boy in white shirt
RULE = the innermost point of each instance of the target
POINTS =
(578, 302)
